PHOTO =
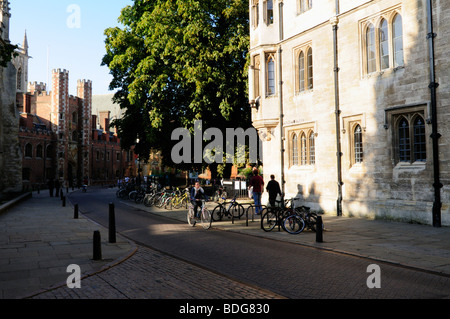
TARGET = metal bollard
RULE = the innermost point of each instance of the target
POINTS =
(75, 211)
(64, 201)
(112, 224)
(97, 250)
(319, 230)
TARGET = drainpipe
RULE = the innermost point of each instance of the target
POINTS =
(435, 135)
(334, 22)
(280, 102)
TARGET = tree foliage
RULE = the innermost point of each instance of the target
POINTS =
(175, 62)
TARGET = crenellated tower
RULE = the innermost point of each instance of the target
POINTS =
(84, 92)
(60, 116)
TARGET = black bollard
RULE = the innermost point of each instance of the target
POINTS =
(112, 224)
(75, 211)
(319, 230)
(97, 246)
(64, 201)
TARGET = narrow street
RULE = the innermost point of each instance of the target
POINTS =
(289, 270)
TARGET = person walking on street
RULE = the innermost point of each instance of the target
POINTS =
(273, 187)
(257, 183)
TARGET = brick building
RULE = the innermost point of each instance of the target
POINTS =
(61, 139)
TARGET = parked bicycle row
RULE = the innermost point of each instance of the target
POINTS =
(286, 215)
(293, 219)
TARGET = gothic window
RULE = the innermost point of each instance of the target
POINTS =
(358, 144)
(420, 152)
(397, 35)
(384, 44)
(309, 64)
(302, 146)
(28, 150)
(404, 145)
(312, 149)
(370, 49)
(270, 66)
(294, 150)
(301, 71)
(303, 149)
(304, 71)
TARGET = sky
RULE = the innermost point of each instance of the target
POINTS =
(66, 34)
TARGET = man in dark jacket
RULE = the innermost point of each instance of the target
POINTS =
(273, 187)
(257, 183)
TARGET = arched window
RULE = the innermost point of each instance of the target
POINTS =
(384, 44)
(270, 74)
(74, 136)
(370, 49)
(303, 149)
(294, 149)
(312, 149)
(301, 72)
(310, 69)
(28, 150)
(397, 38)
(357, 144)
(420, 152)
(404, 146)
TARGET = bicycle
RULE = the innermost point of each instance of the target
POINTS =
(205, 216)
(234, 210)
(276, 216)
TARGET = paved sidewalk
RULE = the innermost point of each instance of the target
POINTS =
(40, 238)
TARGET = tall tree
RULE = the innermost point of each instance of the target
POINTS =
(175, 62)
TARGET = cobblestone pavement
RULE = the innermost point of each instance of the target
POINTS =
(149, 274)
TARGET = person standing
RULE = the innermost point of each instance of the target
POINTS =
(57, 186)
(273, 187)
(257, 183)
(51, 186)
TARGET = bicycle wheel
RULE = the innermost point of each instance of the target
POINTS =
(294, 224)
(268, 219)
(218, 213)
(206, 218)
(237, 210)
(190, 216)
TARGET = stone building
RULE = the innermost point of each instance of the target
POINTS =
(10, 155)
(353, 96)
